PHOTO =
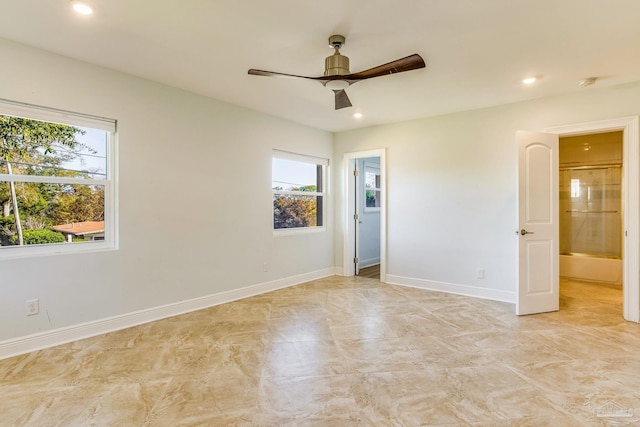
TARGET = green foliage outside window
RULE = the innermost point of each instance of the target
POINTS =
(39, 237)
(32, 147)
(294, 211)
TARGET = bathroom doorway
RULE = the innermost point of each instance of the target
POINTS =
(591, 215)
(630, 128)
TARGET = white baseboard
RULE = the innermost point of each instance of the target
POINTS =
(39, 341)
(339, 271)
(369, 262)
(451, 288)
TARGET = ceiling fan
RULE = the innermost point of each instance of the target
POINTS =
(337, 76)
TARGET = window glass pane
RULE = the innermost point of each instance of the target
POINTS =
(51, 213)
(372, 199)
(91, 159)
(293, 211)
(372, 188)
(32, 147)
(291, 175)
(370, 180)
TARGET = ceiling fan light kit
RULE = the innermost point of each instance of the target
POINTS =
(337, 84)
(337, 76)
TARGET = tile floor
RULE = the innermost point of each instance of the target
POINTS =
(344, 352)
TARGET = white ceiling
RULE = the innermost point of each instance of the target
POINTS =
(477, 51)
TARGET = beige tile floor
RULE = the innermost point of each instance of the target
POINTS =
(344, 352)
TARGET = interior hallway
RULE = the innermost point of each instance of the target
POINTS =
(343, 351)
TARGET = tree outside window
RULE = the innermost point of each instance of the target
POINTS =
(298, 191)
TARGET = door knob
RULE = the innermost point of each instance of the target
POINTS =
(523, 232)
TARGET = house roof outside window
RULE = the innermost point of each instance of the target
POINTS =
(81, 228)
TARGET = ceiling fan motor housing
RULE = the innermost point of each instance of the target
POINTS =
(336, 64)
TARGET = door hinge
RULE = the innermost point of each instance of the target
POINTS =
(355, 216)
(356, 173)
(356, 260)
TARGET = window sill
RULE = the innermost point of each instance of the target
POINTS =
(295, 231)
(31, 251)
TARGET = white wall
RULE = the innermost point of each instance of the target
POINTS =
(451, 188)
(194, 198)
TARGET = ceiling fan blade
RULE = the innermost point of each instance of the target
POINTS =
(254, 72)
(342, 100)
(411, 62)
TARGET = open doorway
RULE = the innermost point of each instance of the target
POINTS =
(365, 213)
(367, 209)
(630, 231)
(591, 219)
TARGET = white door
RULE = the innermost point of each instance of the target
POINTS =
(538, 231)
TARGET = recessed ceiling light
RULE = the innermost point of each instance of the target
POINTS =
(82, 8)
(357, 116)
(529, 80)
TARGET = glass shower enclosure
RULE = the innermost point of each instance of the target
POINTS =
(591, 211)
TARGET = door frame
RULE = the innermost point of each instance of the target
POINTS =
(630, 127)
(349, 208)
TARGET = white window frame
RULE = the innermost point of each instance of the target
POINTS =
(319, 161)
(110, 242)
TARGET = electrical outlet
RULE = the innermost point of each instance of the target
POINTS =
(265, 266)
(33, 307)
(480, 273)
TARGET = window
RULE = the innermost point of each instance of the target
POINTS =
(371, 187)
(575, 188)
(56, 183)
(298, 185)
